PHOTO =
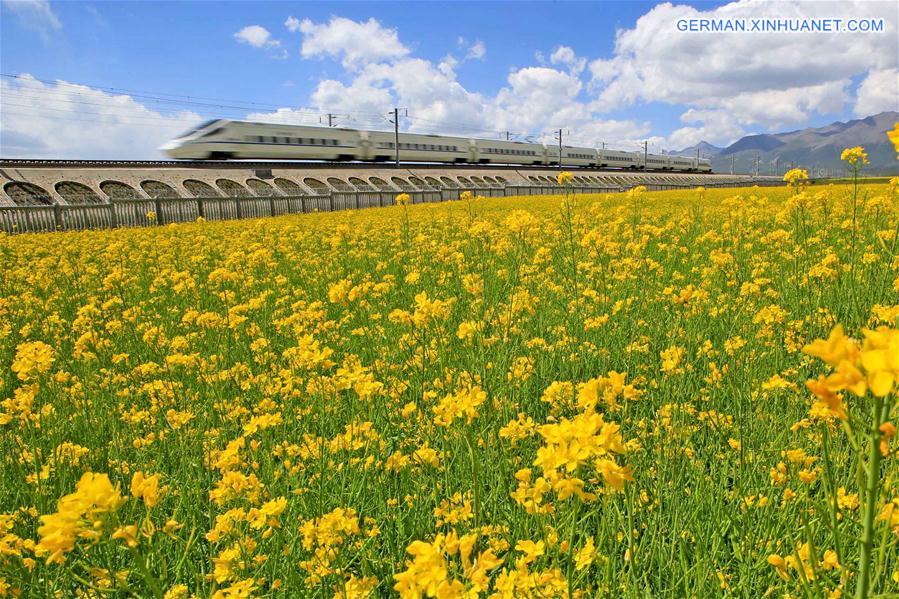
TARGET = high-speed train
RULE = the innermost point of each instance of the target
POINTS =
(225, 139)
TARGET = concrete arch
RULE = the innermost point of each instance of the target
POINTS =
(261, 188)
(339, 184)
(379, 184)
(199, 189)
(158, 189)
(447, 182)
(116, 190)
(27, 194)
(289, 187)
(77, 193)
(360, 184)
(316, 186)
(232, 189)
(401, 183)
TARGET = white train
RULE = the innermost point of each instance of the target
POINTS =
(224, 139)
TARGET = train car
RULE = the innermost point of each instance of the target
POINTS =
(507, 152)
(572, 156)
(682, 163)
(654, 162)
(416, 148)
(619, 159)
(704, 165)
(221, 140)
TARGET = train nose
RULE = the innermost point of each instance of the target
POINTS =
(172, 149)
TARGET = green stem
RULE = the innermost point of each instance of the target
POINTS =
(475, 472)
(145, 572)
(871, 495)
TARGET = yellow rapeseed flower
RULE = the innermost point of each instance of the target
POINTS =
(893, 135)
(854, 156)
(796, 177)
(32, 358)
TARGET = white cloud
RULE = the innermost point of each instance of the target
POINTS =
(256, 36)
(477, 51)
(35, 14)
(63, 120)
(448, 65)
(287, 116)
(382, 75)
(292, 24)
(878, 92)
(563, 55)
(768, 80)
(354, 43)
(712, 125)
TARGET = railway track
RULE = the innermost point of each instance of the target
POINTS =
(250, 164)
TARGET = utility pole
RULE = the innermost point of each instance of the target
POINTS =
(396, 133)
(645, 155)
(508, 135)
(560, 148)
(330, 120)
(756, 165)
(733, 159)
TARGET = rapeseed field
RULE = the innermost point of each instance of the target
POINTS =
(669, 394)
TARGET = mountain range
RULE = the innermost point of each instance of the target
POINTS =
(816, 148)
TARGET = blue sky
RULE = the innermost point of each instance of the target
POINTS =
(617, 72)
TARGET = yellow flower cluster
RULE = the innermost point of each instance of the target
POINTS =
(872, 365)
(893, 135)
(856, 156)
(796, 177)
(32, 359)
(428, 573)
(79, 515)
(565, 178)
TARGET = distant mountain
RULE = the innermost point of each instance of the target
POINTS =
(706, 150)
(758, 143)
(816, 149)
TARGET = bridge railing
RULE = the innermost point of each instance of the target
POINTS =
(144, 212)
